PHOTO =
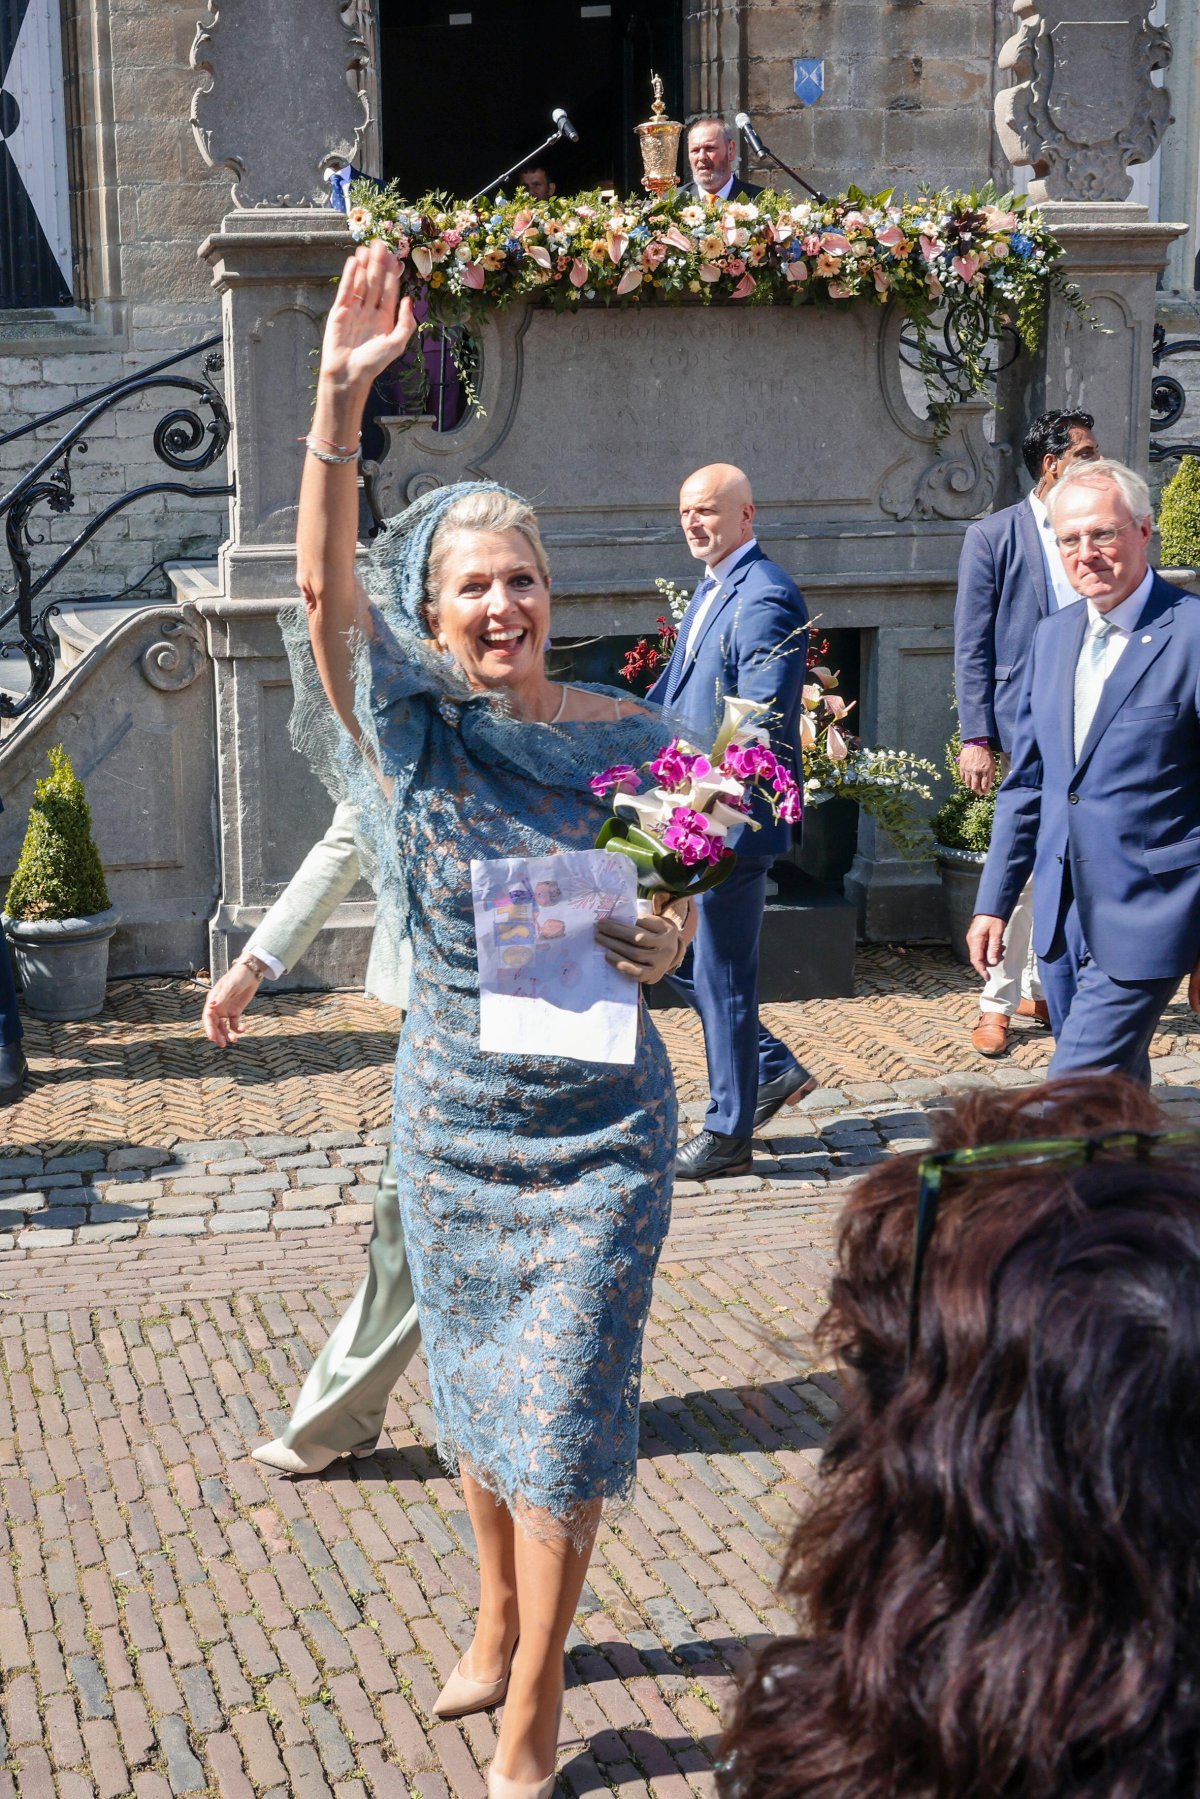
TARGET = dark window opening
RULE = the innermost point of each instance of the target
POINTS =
(467, 88)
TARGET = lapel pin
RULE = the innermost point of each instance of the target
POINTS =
(1147, 638)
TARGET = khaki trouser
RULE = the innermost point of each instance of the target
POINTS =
(342, 1402)
(1015, 976)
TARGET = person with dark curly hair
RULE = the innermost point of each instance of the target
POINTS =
(998, 1580)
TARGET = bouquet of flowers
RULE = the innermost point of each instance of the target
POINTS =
(941, 249)
(675, 833)
(838, 764)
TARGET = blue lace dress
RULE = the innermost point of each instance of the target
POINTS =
(534, 1192)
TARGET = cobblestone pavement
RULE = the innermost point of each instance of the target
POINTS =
(181, 1231)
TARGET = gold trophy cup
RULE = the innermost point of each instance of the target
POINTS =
(659, 139)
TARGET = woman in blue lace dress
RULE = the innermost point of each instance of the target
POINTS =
(534, 1192)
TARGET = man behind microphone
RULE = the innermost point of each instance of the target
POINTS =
(712, 153)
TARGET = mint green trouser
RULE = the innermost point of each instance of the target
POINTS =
(343, 1401)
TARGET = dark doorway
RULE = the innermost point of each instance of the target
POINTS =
(467, 88)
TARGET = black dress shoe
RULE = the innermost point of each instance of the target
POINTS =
(14, 1070)
(784, 1090)
(712, 1153)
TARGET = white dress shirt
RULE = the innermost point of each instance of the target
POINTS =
(1063, 593)
(716, 575)
(1124, 620)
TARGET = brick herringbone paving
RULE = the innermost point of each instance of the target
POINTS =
(180, 1229)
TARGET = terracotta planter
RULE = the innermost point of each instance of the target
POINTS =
(62, 963)
(960, 871)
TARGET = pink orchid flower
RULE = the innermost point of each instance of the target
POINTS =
(622, 777)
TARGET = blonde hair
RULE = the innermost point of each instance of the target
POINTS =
(1128, 483)
(494, 510)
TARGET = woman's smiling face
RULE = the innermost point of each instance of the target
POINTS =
(493, 608)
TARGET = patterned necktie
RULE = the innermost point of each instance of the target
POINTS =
(1089, 679)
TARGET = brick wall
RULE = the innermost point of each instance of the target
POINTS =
(143, 201)
(908, 89)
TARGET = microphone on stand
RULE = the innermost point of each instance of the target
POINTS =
(745, 125)
(562, 128)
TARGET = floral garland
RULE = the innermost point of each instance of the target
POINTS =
(988, 249)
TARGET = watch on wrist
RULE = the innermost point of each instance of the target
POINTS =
(251, 961)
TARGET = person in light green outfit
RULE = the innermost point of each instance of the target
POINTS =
(341, 1406)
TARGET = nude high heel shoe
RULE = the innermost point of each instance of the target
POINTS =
(462, 1695)
(500, 1787)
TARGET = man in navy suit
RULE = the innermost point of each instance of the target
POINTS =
(13, 1066)
(1010, 576)
(1102, 801)
(712, 153)
(743, 633)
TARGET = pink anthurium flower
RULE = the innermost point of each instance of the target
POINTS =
(835, 243)
(708, 271)
(964, 267)
(796, 271)
(836, 747)
(522, 222)
(423, 259)
(808, 731)
(629, 280)
(674, 236)
(930, 248)
(537, 254)
(744, 288)
(618, 243)
(579, 273)
(473, 275)
(839, 291)
(891, 237)
(823, 675)
(836, 705)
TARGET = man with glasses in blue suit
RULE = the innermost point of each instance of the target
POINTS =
(1102, 802)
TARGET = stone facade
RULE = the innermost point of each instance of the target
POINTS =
(141, 201)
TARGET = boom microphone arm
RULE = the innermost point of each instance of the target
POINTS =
(562, 128)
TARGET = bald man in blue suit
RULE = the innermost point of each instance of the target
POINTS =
(1102, 802)
(744, 633)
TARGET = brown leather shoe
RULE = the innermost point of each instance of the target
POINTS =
(1037, 1009)
(990, 1036)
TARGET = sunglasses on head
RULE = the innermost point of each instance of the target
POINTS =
(1060, 1152)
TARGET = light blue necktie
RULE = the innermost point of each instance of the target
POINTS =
(1090, 675)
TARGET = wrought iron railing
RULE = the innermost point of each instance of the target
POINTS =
(1168, 396)
(967, 336)
(183, 440)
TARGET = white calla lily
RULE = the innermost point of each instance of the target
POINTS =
(739, 714)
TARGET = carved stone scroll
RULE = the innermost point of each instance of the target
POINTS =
(283, 96)
(1083, 107)
(174, 660)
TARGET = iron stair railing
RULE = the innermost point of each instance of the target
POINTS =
(1168, 397)
(184, 440)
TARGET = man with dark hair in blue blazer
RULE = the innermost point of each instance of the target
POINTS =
(744, 633)
(1102, 802)
(1010, 576)
(13, 1066)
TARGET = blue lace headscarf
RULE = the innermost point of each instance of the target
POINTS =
(406, 687)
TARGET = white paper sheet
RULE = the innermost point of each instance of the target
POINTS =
(545, 988)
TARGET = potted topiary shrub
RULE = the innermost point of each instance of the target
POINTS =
(962, 831)
(57, 915)
(1179, 519)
